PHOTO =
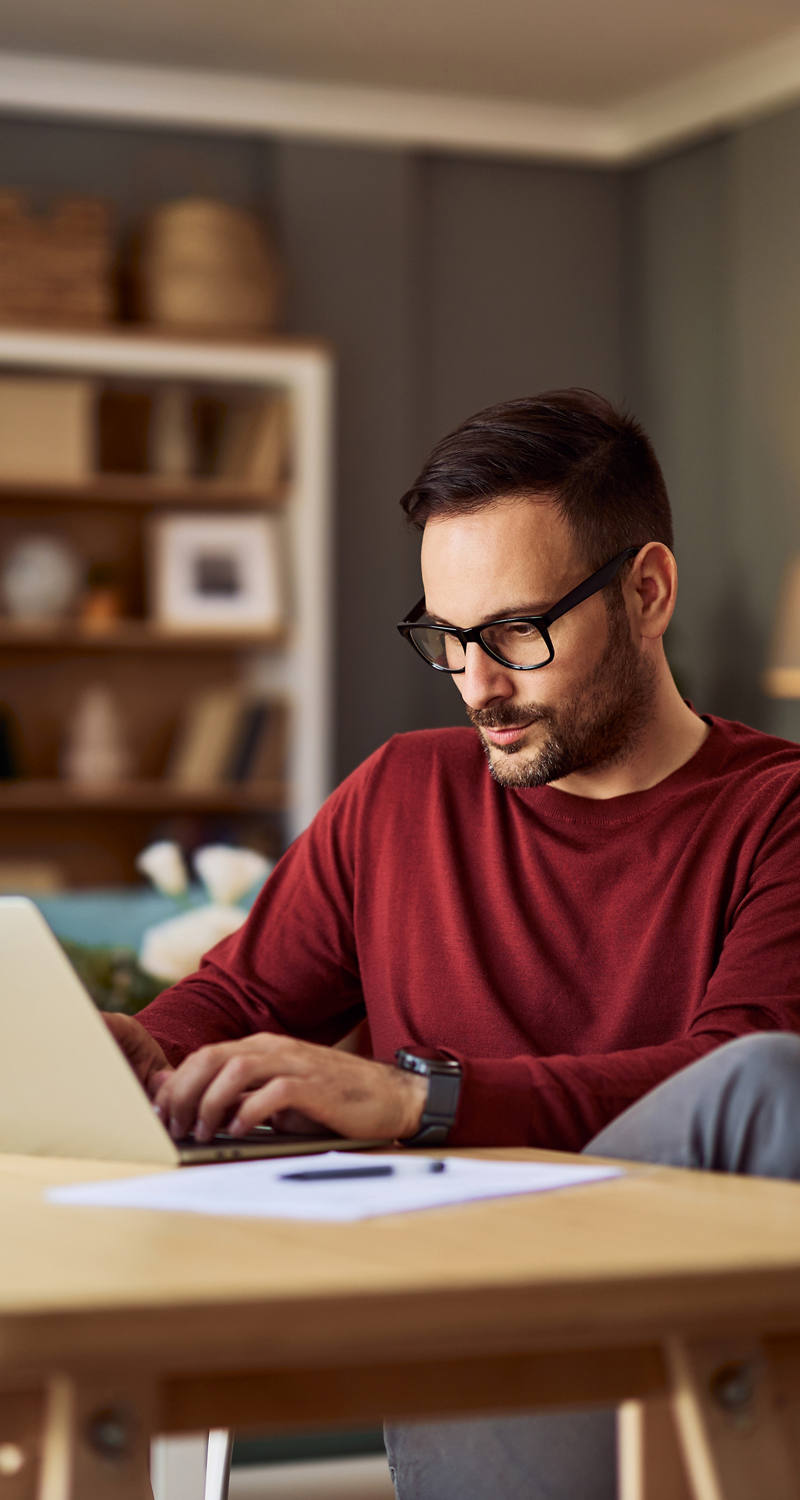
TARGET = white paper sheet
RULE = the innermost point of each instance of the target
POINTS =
(264, 1190)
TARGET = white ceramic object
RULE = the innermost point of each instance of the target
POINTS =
(95, 752)
(40, 578)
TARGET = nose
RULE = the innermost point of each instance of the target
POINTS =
(484, 680)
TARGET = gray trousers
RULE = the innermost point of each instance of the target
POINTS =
(735, 1110)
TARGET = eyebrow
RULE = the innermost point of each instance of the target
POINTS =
(513, 612)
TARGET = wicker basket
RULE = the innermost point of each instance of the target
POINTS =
(204, 265)
(55, 267)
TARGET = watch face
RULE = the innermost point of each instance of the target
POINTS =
(410, 1056)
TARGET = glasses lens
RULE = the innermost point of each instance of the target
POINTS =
(440, 649)
(519, 642)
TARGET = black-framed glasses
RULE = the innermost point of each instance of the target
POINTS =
(521, 642)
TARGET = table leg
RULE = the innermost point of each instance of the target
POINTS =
(96, 1439)
(651, 1465)
(730, 1417)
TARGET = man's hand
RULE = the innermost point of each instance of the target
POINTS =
(141, 1051)
(236, 1085)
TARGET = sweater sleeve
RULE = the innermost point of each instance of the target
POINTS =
(563, 1101)
(292, 967)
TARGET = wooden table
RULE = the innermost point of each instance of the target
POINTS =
(662, 1291)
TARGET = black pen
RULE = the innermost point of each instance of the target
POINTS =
(337, 1173)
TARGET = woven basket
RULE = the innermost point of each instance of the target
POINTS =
(204, 265)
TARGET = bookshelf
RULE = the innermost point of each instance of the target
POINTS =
(157, 670)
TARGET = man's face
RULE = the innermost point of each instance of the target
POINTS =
(587, 708)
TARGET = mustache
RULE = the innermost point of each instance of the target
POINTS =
(508, 717)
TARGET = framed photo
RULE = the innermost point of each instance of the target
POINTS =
(217, 572)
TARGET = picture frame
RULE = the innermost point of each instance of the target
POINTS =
(216, 573)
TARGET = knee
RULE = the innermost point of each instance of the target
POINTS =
(750, 1122)
(737, 1109)
(770, 1058)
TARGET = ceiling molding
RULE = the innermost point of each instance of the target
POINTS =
(247, 102)
(757, 82)
(764, 79)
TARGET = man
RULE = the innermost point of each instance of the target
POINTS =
(606, 903)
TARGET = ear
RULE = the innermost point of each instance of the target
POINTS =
(651, 590)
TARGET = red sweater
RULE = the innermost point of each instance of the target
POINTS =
(571, 952)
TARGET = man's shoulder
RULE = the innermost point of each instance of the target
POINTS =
(426, 752)
(751, 759)
(405, 773)
(459, 740)
(740, 746)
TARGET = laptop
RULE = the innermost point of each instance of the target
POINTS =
(65, 1087)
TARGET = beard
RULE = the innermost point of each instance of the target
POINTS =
(602, 723)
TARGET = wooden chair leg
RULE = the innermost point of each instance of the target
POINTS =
(179, 1466)
(730, 1421)
(651, 1465)
(218, 1465)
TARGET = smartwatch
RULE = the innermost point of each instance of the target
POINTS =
(444, 1083)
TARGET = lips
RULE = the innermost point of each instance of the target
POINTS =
(507, 736)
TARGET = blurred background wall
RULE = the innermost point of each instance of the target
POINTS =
(446, 282)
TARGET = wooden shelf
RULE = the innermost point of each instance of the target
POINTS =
(158, 674)
(132, 635)
(51, 796)
(146, 491)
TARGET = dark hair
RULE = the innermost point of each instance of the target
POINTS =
(597, 465)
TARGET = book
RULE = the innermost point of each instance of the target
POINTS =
(251, 724)
(257, 750)
(268, 761)
(202, 747)
(254, 444)
(239, 425)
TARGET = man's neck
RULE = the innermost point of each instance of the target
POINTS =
(672, 736)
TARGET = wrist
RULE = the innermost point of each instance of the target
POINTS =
(415, 1097)
(441, 1077)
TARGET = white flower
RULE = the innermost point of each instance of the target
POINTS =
(228, 873)
(170, 950)
(164, 864)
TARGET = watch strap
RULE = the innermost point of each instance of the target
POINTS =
(439, 1113)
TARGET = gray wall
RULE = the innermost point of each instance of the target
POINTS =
(713, 356)
(677, 311)
(442, 283)
(445, 283)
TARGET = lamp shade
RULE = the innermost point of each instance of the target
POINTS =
(782, 677)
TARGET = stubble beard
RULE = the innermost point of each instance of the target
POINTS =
(601, 725)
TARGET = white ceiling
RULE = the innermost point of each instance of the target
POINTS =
(573, 78)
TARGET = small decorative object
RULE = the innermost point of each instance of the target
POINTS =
(170, 950)
(56, 267)
(40, 578)
(204, 265)
(95, 751)
(217, 572)
(102, 601)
